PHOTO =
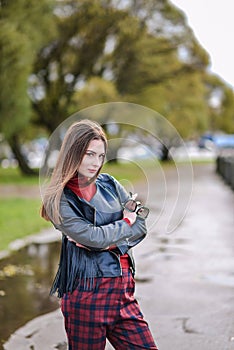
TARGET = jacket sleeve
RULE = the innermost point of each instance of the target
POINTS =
(140, 231)
(139, 227)
(121, 191)
(84, 232)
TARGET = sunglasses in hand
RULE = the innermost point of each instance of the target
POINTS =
(135, 206)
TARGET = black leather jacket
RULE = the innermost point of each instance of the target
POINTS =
(79, 267)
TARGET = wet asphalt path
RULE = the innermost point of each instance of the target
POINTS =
(189, 296)
(185, 279)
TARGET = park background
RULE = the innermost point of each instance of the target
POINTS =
(60, 57)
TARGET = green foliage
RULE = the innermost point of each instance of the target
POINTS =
(95, 91)
(77, 54)
(182, 101)
(220, 102)
(226, 121)
(14, 70)
(69, 54)
(19, 40)
(104, 53)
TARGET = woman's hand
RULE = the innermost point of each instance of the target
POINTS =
(131, 216)
(78, 244)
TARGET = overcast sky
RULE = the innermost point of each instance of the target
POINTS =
(213, 25)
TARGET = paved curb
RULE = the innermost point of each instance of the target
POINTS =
(49, 235)
(35, 335)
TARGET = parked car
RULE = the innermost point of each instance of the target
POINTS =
(216, 141)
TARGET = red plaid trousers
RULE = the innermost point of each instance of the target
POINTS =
(109, 312)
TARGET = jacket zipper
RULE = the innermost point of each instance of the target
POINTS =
(118, 258)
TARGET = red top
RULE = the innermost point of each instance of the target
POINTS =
(86, 190)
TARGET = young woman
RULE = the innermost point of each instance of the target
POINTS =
(100, 224)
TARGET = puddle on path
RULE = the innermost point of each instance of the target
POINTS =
(168, 247)
(25, 281)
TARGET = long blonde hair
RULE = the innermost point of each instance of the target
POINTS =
(74, 146)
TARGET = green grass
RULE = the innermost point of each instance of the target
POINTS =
(14, 176)
(19, 217)
(126, 170)
(132, 171)
(129, 170)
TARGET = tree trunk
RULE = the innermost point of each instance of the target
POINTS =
(164, 153)
(16, 149)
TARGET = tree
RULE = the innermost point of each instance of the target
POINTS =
(220, 102)
(102, 39)
(19, 39)
(227, 111)
(140, 51)
(95, 91)
(67, 63)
